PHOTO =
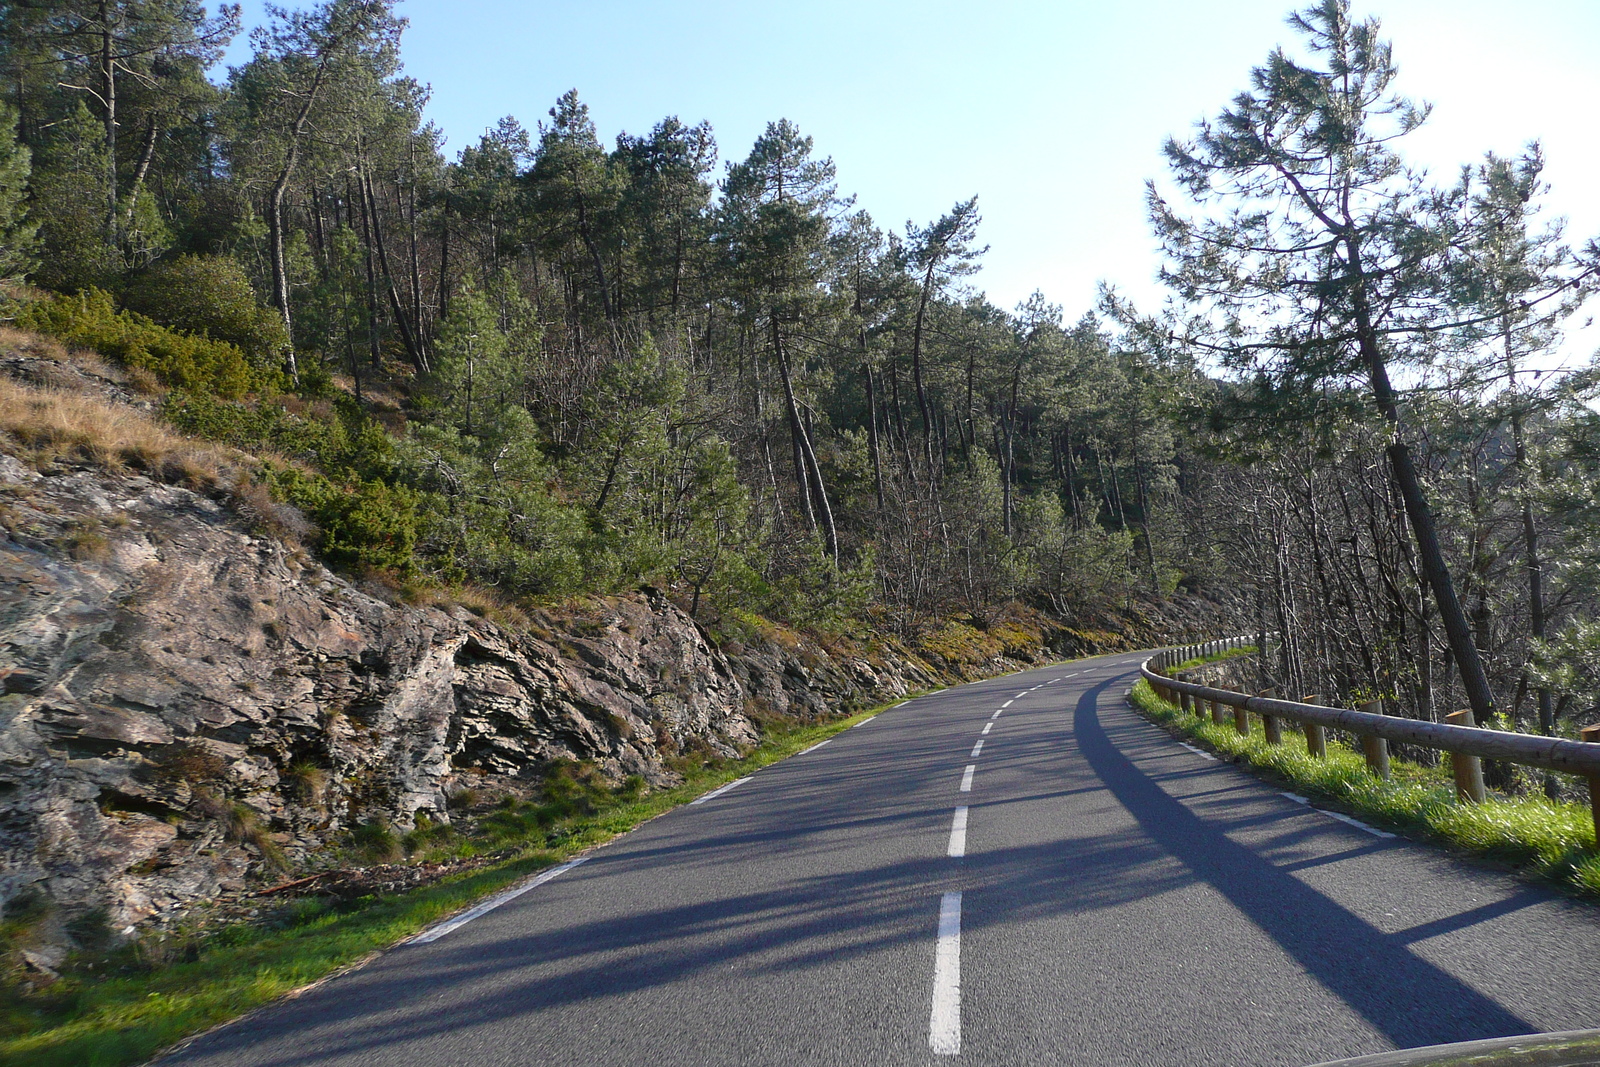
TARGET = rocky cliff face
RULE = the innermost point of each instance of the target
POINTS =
(184, 701)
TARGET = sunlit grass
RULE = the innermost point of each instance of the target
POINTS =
(1554, 839)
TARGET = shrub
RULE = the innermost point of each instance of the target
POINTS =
(91, 320)
(363, 523)
(210, 296)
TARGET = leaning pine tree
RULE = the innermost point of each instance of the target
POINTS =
(1317, 259)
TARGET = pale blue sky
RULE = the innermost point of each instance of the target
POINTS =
(1054, 113)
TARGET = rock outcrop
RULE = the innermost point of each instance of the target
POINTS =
(184, 701)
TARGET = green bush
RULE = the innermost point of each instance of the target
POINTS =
(364, 523)
(91, 320)
(210, 296)
(334, 436)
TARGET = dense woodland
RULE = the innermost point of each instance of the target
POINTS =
(550, 366)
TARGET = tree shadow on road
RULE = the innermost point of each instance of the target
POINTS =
(1410, 1000)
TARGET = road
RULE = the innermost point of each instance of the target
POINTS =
(1078, 889)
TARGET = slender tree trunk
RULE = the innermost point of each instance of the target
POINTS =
(373, 351)
(444, 263)
(1144, 521)
(796, 430)
(147, 155)
(872, 436)
(416, 261)
(407, 337)
(314, 209)
(594, 255)
(916, 370)
(1423, 528)
(824, 508)
(108, 93)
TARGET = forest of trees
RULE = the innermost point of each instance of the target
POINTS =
(549, 366)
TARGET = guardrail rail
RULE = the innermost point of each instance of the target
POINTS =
(1466, 745)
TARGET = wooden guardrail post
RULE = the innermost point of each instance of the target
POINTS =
(1468, 770)
(1241, 721)
(1592, 735)
(1375, 748)
(1271, 728)
(1316, 733)
(1216, 712)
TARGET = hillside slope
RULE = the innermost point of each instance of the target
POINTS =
(193, 703)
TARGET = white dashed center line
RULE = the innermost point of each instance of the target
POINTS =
(977, 748)
(988, 726)
(966, 778)
(958, 834)
(944, 1027)
(996, 715)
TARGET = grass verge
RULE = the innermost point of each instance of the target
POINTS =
(1554, 840)
(126, 1007)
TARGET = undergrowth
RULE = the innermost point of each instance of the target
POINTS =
(1552, 839)
(124, 1006)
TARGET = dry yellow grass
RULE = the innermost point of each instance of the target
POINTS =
(50, 425)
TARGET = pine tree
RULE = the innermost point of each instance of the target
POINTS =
(1320, 258)
(18, 238)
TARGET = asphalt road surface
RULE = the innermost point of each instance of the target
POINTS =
(1020, 871)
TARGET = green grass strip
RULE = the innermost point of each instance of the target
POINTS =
(109, 1020)
(1552, 839)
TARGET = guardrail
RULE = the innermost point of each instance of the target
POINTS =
(1466, 745)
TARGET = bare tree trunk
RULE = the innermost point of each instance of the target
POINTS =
(407, 337)
(444, 263)
(916, 370)
(108, 98)
(372, 274)
(146, 155)
(872, 436)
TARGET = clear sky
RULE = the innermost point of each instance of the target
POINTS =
(1052, 111)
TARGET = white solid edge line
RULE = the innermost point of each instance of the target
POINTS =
(958, 834)
(944, 1025)
(715, 793)
(988, 726)
(966, 778)
(434, 933)
(1199, 752)
(977, 748)
(869, 718)
(814, 747)
(1341, 816)
(1357, 823)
